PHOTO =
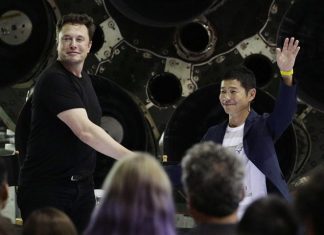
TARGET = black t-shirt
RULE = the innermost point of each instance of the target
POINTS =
(54, 152)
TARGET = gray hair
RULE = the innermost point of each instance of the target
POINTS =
(213, 179)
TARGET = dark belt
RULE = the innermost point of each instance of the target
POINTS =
(77, 178)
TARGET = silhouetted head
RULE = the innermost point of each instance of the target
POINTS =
(48, 221)
(212, 177)
(268, 216)
(309, 202)
(138, 199)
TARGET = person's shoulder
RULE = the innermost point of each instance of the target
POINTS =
(55, 69)
(6, 227)
(214, 130)
(256, 120)
(210, 229)
(193, 231)
(254, 116)
(218, 126)
(53, 74)
(4, 219)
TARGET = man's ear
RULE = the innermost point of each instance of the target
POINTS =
(4, 194)
(188, 202)
(56, 42)
(309, 226)
(242, 194)
(191, 209)
(252, 94)
(89, 46)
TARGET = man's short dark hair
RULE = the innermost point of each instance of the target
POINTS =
(213, 179)
(73, 18)
(309, 201)
(267, 216)
(244, 75)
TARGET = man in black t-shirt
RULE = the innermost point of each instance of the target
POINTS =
(64, 132)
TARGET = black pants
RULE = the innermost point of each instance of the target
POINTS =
(75, 198)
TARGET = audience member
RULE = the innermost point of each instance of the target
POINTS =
(49, 221)
(4, 192)
(268, 216)
(309, 202)
(138, 200)
(212, 177)
(6, 227)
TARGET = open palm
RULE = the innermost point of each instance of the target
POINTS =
(287, 55)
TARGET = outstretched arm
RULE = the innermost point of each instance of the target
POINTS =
(286, 59)
(91, 134)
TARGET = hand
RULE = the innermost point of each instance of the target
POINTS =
(287, 55)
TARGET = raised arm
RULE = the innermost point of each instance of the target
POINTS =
(286, 59)
(286, 102)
